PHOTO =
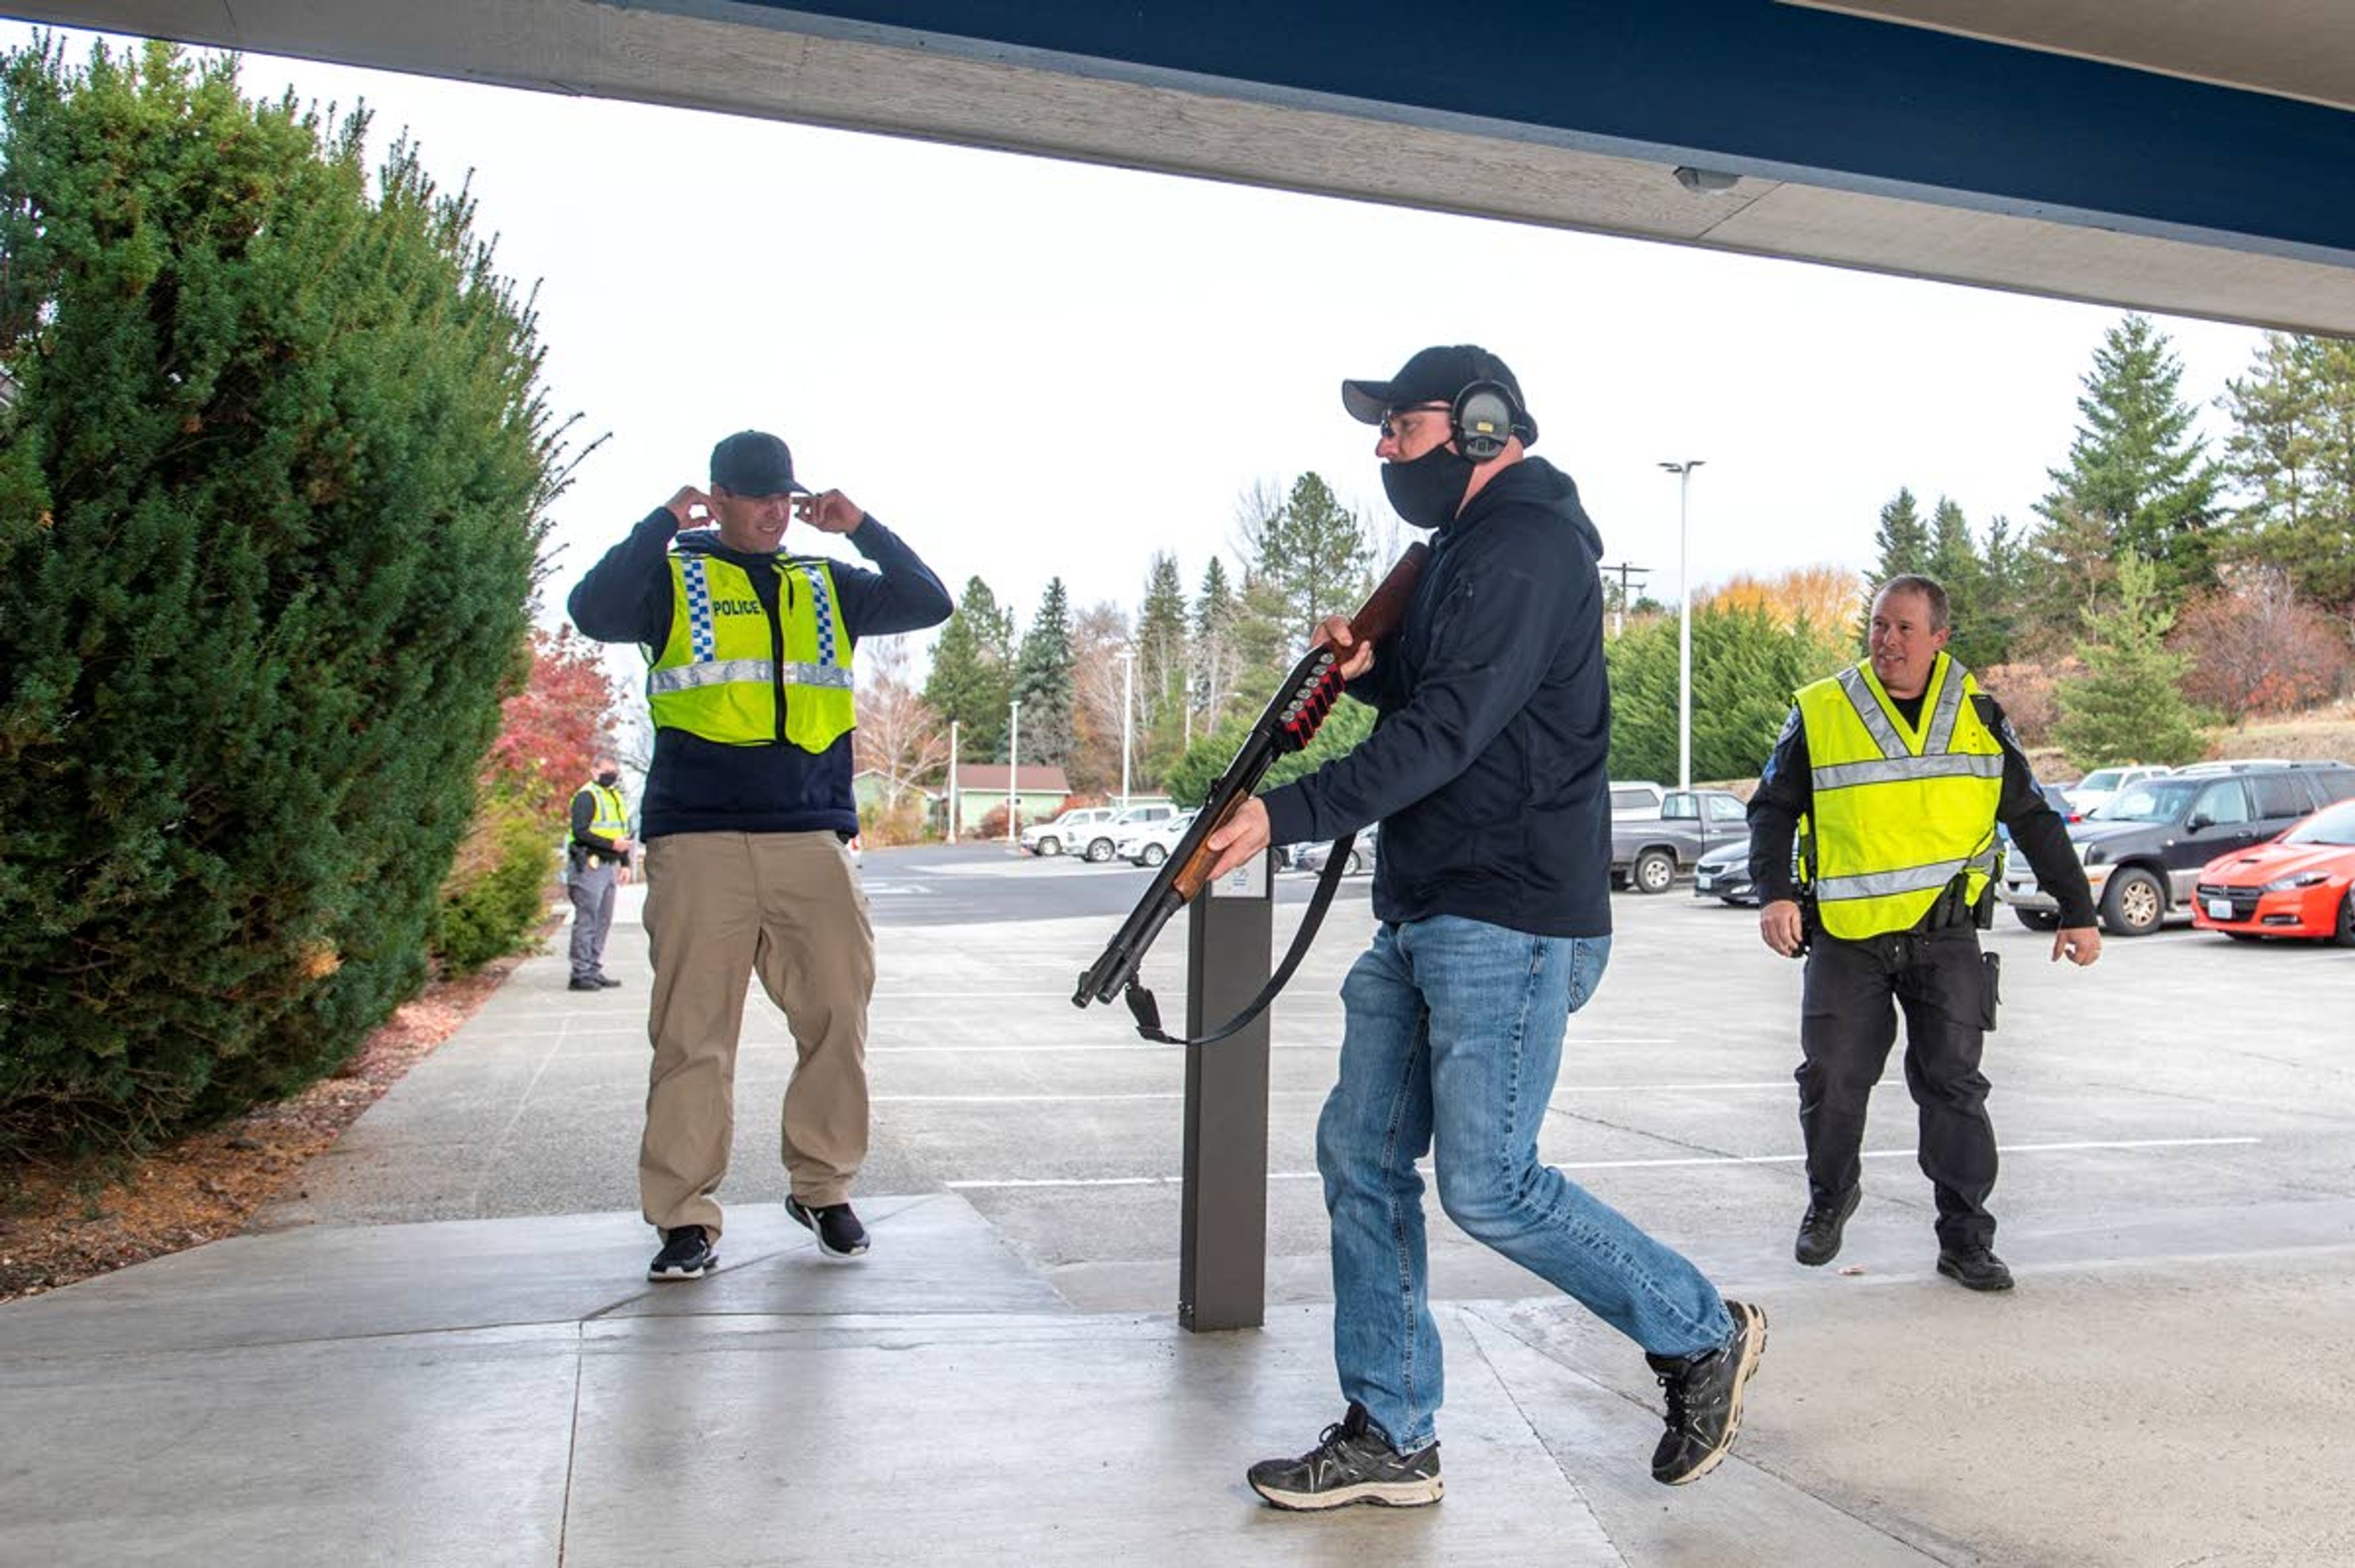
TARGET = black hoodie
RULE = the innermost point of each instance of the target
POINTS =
(703, 786)
(1487, 766)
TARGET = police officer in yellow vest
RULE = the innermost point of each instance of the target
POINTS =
(746, 820)
(596, 858)
(1891, 777)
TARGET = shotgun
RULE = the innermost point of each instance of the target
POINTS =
(1288, 724)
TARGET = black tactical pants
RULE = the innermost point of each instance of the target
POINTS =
(1846, 1028)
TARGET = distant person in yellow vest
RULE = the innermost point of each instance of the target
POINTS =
(1891, 777)
(746, 823)
(597, 858)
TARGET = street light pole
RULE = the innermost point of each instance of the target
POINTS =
(1683, 471)
(1013, 770)
(952, 781)
(1127, 714)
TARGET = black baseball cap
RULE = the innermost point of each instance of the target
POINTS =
(1435, 375)
(754, 463)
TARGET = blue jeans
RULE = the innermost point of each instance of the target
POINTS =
(1452, 1045)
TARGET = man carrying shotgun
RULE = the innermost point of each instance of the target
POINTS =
(1486, 769)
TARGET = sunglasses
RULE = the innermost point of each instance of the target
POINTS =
(1390, 428)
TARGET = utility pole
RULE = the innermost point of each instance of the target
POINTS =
(1619, 608)
(952, 781)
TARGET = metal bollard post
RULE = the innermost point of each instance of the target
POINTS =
(1222, 1240)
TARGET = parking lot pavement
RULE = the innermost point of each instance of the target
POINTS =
(2176, 1199)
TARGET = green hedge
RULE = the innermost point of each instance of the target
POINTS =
(268, 503)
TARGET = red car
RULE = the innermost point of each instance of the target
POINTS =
(2300, 884)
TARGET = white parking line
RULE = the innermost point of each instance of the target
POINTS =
(1020, 1182)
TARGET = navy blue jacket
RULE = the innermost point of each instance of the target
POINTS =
(1487, 766)
(704, 786)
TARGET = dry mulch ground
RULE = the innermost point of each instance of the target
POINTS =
(58, 1226)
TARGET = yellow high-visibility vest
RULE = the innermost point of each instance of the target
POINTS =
(612, 818)
(1900, 810)
(731, 674)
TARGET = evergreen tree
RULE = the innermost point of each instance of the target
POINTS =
(1042, 680)
(1312, 561)
(1747, 665)
(270, 493)
(1901, 542)
(1954, 562)
(2292, 458)
(2008, 590)
(972, 677)
(2128, 706)
(1213, 645)
(2135, 464)
(1161, 650)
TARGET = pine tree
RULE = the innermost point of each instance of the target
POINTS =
(270, 494)
(1313, 561)
(1212, 630)
(972, 677)
(1042, 680)
(2128, 706)
(1162, 661)
(1954, 562)
(2292, 457)
(2135, 464)
(1901, 542)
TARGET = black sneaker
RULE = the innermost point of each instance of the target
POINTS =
(687, 1253)
(839, 1234)
(1974, 1268)
(1352, 1463)
(582, 982)
(1820, 1231)
(1705, 1398)
(606, 982)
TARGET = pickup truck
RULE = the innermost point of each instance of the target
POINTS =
(1647, 853)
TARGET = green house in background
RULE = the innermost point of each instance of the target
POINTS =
(982, 787)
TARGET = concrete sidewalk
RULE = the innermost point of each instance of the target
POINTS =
(491, 1392)
(440, 1350)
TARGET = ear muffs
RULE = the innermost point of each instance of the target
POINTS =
(1483, 419)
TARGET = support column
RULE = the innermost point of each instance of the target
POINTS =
(1223, 1244)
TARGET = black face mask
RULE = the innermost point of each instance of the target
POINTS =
(1427, 491)
(609, 778)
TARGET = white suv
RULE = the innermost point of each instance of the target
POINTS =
(1098, 840)
(1065, 831)
(2095, 791)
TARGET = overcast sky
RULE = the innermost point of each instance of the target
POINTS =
(1029, 367)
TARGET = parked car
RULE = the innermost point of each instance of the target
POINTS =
(1150, 846)
(2090, 793)
(1099, 840)
(2300, 884)
(1636, 797)
(2144, 851)
(1362, 853)
(1724, 873)
(1054, 838)
(1647, 853)
(2054, 797)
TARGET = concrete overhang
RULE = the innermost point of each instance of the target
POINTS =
(2162, 155)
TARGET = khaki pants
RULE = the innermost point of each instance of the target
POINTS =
(721, 907)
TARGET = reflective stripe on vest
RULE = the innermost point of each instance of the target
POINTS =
(1899, 811)
(718, 675)
(612, 818)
